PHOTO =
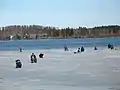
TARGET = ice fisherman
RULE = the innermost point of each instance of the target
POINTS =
(66, 48)
(18, 63)
(82, 49)
(20, 48)
(33, 58)
(78, 51)
(95, 48)
(110, 46)
(41, 55)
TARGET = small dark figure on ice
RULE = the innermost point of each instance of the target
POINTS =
(95, 48)
(20, 48)
(18, 63)
(78, 51)
(82, 49)
(66, 48)
(33, 58)
(41, 55)
(110, 46)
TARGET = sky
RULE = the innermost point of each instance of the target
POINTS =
(60, 13)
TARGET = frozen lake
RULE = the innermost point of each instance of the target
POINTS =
(60, 70)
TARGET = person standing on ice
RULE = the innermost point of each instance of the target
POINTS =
(66, 48)
(20, 48)
(33, 58)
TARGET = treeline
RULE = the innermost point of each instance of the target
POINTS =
(37, 31)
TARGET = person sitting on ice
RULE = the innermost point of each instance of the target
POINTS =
(82, 49)
(33, 58)
(18, 63)
(41, 55)
(78, 51)
(66, 48)
(112, 47)
(95, 48)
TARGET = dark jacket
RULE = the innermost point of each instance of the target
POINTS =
(33, 59)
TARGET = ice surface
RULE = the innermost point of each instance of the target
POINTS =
(60, 70)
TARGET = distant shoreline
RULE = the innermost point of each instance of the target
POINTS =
(18, 32)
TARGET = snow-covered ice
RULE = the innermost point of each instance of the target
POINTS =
(60, 70)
